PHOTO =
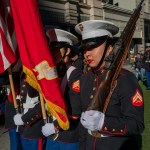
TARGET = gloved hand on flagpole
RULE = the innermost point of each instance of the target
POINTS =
(92, 120)
(48, 129)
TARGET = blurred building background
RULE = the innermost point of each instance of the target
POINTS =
(65, 14)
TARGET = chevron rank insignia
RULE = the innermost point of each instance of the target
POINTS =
(76, 86)
(137, 99)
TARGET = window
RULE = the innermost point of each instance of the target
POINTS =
(147, 31)
(49, 17)
(83, 1)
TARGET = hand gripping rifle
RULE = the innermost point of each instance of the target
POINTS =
(113, 66)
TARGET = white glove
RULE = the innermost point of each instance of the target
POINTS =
(92, 120)
(18, 120)
(48, 129)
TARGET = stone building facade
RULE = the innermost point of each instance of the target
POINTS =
(65, 14)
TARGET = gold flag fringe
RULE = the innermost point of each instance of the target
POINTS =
(52, 108)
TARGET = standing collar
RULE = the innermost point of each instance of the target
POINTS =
(97, 72)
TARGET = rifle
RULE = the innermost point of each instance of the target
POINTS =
(113, 66)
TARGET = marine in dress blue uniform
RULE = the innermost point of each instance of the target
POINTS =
(14, 136)
(123, 122)
(30, 119)
(61, 42)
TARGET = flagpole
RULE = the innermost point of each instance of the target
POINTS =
(12, 89)
(43, 107)
(54, 136)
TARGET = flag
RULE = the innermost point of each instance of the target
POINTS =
(15, 67)
(7, 50)
(36, 58)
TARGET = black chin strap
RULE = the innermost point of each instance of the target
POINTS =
(61, 60)
(66, 47)
(101, 61)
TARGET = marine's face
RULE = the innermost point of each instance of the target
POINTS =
(57, 54)
(94, 56)
(93, 50)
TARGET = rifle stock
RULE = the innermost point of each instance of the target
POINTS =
(113, 66)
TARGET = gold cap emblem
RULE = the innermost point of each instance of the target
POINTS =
(81, 27)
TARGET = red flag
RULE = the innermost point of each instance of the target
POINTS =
(36, 57)
(7, 53)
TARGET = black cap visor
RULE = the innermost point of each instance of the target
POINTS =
(92, 43)
(56, 45)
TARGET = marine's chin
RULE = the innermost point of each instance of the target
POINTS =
(92, 65)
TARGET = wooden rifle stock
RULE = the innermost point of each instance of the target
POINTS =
(113, 66)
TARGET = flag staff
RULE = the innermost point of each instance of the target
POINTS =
(43, 107)
(12, 89)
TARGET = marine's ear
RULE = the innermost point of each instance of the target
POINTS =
(109, 49)
(68, 51)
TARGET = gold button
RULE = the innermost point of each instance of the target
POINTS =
(27, 122)
(37, 115)
(22, 91)
(21, 96)
(94, 88)
(121, 130)
(105, 128)
(95, 79)
(32, 119)
(91, 96)
(113, 130)
(24, 85)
